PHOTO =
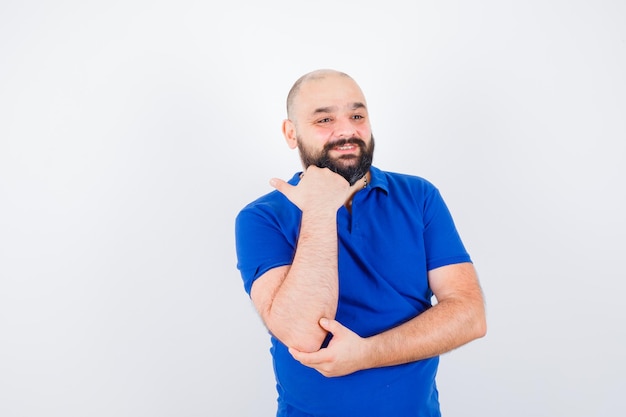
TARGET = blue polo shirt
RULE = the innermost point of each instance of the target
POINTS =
(398, 230)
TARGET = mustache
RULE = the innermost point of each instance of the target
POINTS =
(341, 142)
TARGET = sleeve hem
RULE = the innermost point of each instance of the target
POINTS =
(437, 263)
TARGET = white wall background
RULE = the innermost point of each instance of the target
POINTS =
(131, 133)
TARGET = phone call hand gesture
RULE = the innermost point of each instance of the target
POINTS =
(319, 189)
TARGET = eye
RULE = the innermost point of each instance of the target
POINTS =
(324, 120)
(357, 117)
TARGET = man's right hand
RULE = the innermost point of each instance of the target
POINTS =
(319, 189)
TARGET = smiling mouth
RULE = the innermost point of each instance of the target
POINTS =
(346, 147)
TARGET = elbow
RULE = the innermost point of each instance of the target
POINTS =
(304, 338)
(481, 328)
(302, 343)
(480, 324)
(308, 345)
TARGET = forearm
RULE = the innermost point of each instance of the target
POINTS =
(442, 328)
(309, 291)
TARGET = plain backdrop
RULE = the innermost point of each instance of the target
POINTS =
(132, 132)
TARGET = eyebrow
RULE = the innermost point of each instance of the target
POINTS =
(330, 109)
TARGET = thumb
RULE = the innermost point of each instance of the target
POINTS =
(280, 185)
(332, 326)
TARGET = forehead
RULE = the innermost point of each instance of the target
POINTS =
(330, 91)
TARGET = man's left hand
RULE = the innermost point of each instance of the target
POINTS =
(346, 353)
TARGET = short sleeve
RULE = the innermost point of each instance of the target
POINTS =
(442, 241)
(261, 243)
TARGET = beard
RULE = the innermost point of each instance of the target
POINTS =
(351, 167)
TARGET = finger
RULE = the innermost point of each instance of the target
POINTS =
(299, 356)
(280, 185)
(332, 326)
(306, 358)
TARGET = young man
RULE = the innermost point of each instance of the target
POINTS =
(342, 261)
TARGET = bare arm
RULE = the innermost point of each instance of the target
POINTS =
(292, 299)
(458, 318)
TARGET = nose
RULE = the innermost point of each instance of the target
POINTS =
(344, 128)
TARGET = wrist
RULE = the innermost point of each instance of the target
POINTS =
(370, 353)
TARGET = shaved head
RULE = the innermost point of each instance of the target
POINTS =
(311, 76)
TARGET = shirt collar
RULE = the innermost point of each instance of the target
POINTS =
(377, 179)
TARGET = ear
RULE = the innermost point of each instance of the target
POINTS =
(289, 132)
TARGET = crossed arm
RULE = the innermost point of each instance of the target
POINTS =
(458, 318)
(298, 303)
(292, 299)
